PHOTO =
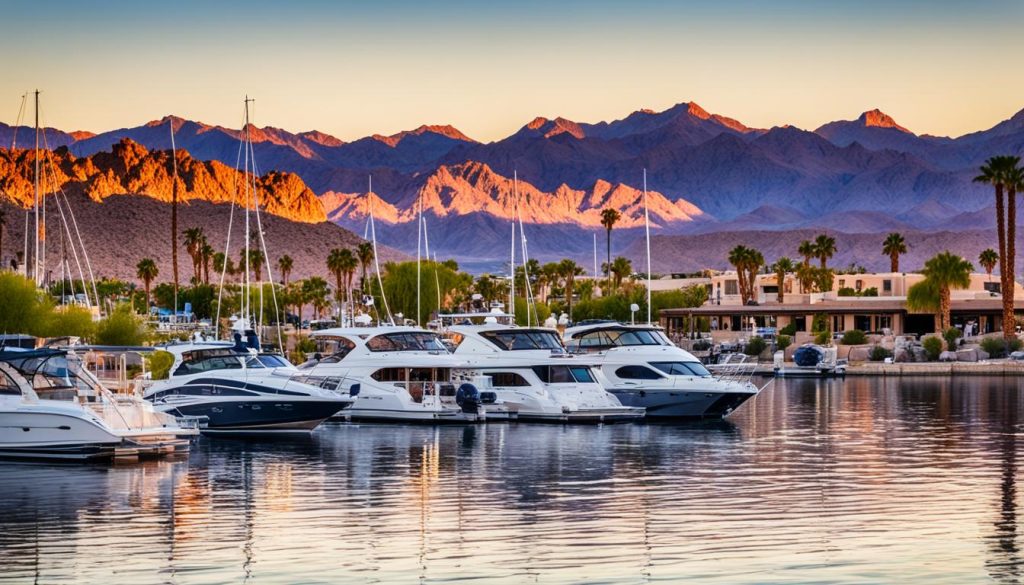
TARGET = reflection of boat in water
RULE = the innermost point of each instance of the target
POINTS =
(52, 408)
(810, 360)
(241, 392)
(641, 367)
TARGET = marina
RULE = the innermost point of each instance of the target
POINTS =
(825, 481)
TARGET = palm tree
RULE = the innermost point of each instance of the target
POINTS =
(549, 274)
(988, 260)
(569, 270)
(315, 291)
(206, 255)
(194, 239)
(996, 172)
(349, 263)
(620, 269)
(807, 250)
(782, 267)
(748, 262)
(335, 265)
(486, 288)
(609, 217)
(825, 246)
(3, 222)
(942, 273)
(893, 246)
(364, 252)
(807, 276)
(147, 272)
(285, 264)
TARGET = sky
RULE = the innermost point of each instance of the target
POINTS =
(357, 68)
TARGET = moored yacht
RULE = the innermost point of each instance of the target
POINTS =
(403, 374)
(529, 370)
(641, 367)
(52, 408)
(239, 390)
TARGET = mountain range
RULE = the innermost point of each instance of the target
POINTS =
(707, 173)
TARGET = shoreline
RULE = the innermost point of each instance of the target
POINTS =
(1005, 368)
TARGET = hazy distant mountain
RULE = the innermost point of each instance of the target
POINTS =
(710, 172)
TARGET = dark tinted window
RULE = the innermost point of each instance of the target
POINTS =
(582, 374)
(512, 340)
(637, 373)
(416, 341)
(563, 374)
(682, 368)
(506, 379)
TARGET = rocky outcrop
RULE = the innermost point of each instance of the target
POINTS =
(130, 169)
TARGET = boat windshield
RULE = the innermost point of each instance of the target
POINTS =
(564, 374)
(408, 341)
(208, 360)
(682, 368)
(520, 339)
(267, 361)
(616, 337)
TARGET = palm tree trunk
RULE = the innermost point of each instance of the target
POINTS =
(1001, 234)
(608, 266)
(1009, 320)
(894, 263)
(944, 309)
(780, 278)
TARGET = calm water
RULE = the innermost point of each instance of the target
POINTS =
(863, 481)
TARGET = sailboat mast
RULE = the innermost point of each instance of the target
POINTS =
(174, 221)
(419, 243)
(246, 301)
(512, 262)
(35, 200)
(376, 259)
(647, 232)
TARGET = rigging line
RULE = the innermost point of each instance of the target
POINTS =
(419, 242)
(526, 270)
(246, 301)
(376, 257)
(647, 230)
(74, 222)
(67, 230)
(14, 144)
(266, 259)
(227, 244)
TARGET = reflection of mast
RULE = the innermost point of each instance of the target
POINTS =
(1006, 559)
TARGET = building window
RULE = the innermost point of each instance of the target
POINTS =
(887, 286)
(859, 284)
(732, 287)
(842, 283)
(992, 287)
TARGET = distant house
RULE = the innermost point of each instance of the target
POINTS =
(871, 302)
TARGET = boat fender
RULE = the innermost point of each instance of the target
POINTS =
(353, 390)
(467, 397)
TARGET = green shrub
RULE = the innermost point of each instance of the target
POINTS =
(846, 292)
(160, 364)
(823, 337)
(854, 337)
(755, 345)
(994, 346)
(1014, 345)
(121, 327)
(820, 323)
(951, 335)
(303, 346)
(783, 341)
(933, 347)
(869, 292)
(789, 330)
(879, 353)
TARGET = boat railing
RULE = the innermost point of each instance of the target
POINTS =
(427, 392)
(736, 368)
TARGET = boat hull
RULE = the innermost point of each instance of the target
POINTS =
(259, 416)
(583, 416)
(662, 404)
(408, 416)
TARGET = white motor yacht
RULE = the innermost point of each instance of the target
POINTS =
(52, 408)
(641, 367)
(241, 391)
(530, 371)
(399, 374)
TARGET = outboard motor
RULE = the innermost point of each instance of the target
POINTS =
(252, 340)
(353, 390)
(468, 398)
(808, 356)
(239, 346)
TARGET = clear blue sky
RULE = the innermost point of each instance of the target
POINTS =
(356, 68)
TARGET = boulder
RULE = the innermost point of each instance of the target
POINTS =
(902, 356)
(947, 356)
(860, 353)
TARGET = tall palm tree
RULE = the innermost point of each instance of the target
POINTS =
(335, 265)
(569, 270)
(315, 291)
(893, 246)
(349, 263)
(782, 267)
(3, 223)
(609, 217)
(147, 272)
(285, 264)
(620, 269)
(942, 273)
(748, 262)
(996, 172)
(988, 260)
(807, 250)
(364, 252)
(194, 240)
(206, 255)
(825, 246)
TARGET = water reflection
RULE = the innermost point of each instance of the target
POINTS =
(827, 481)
